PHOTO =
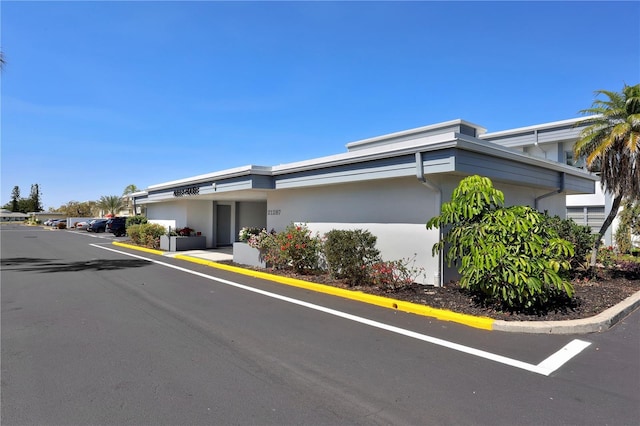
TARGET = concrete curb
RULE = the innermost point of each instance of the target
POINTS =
(601, 322)
(598, 323)
(144, 249)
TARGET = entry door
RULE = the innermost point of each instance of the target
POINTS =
(223, 225)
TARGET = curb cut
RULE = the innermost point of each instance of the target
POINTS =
(598, 323)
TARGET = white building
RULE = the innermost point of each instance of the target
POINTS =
(9, 216)
(390, 185)
(554, 141)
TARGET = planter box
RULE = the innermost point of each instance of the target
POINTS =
(182, 243)
(245, 255)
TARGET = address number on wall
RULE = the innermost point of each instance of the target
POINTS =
(275, 212)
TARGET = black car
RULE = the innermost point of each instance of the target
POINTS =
(97, 225)
(117, 226)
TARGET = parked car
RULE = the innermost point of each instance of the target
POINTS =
(117, 226)
(59, 223)
(82, 225)
(97, 225)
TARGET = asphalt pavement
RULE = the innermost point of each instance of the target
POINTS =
(94, 333)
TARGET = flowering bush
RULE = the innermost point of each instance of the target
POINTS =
(350, 253)
(184, 232)
(299, 248)
(294, 247)
(266, 243)
(246, 232)
(394, 274)
(607, 256)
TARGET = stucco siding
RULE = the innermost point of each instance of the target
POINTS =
(251, 214)
(408, 242)
(192, 213)
(169, 211)
(395, 210)
(402, 200)
(200, 219)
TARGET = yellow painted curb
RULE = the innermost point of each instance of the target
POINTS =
(413, 308)
(483, 323)
(148, 250)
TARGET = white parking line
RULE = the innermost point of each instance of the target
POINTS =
(546, 367)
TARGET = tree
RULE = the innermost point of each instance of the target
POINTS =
(34, 198)
(610, 143)
(628, 226)
(2, 61)
(80, 209)
(15, 197)
(111, 204)
(128, 190)
(504, 254)
(25, 205)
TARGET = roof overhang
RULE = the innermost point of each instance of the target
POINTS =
(445, 152)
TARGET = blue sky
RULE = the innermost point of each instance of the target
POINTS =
(100, 95)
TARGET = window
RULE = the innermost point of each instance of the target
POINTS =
(579, 162)
(590, 216)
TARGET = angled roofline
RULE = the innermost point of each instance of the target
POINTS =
(406, 143)
(528, 129)
(222, 174)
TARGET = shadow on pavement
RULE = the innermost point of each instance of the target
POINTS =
(50, 265)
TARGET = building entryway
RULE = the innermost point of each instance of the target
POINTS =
(223, 225)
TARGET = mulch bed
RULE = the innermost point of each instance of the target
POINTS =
(592, 296)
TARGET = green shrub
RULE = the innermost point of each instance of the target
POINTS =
(294, 247)
(62, 225)
(146, 234)
(579, 235)
(507, 255)
(134, 232)
(298, 248)
(393, 274)
(607, 256)
(266, 243)
(350, 254)
(623, 239)
(136, 220)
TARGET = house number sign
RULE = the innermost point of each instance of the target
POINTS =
(184, 192)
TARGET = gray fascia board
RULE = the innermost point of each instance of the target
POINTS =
(410, 134)
(531, 129)
(213, 177)
(553, 132)
(430, 143)
(343, 176)
(496, 150)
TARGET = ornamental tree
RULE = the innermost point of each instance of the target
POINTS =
(504, 254)
(610, 143)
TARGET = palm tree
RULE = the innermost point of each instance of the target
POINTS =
(610, 142)
(111, 204)
(126, 194)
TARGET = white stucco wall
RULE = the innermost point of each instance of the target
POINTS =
(395, 210)
(176, 211)
(196, 214)
(200, 218)
(251, 214)
(596, 199)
